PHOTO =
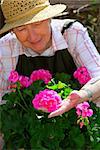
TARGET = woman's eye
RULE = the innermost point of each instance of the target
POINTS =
(21, 29)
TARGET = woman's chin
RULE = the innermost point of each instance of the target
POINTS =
(38, 49)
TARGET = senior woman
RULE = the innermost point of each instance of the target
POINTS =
(39, 41)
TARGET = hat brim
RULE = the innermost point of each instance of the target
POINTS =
(46, 13)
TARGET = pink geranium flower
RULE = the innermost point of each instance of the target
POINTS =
(82, 106)
(47, 101)
(83, 112)
(87, 113)
(82, 75)
(41, 74)
(13, 77)
(24, 81)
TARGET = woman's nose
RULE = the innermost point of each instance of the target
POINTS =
(32, 35)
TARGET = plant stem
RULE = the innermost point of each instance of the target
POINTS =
(22, 98)
(22, 107)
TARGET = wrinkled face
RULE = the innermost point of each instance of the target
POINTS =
(36, 36)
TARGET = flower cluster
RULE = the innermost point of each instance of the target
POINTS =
(40, 91)
(41, 74)
(15, 77)
(83, 113)
(82, 75)
(47, 100)
(25, 81)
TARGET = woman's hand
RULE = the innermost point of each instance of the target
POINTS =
(70, 102)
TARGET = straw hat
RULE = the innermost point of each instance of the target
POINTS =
(21, 12)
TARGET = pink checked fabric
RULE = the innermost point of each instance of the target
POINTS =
(76, 39)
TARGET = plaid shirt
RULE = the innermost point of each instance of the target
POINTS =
(75, 39)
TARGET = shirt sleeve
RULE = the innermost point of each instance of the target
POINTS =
(3, 82)
(82, 49)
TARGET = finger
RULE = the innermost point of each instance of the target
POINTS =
(64, 108)
(60, 111)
